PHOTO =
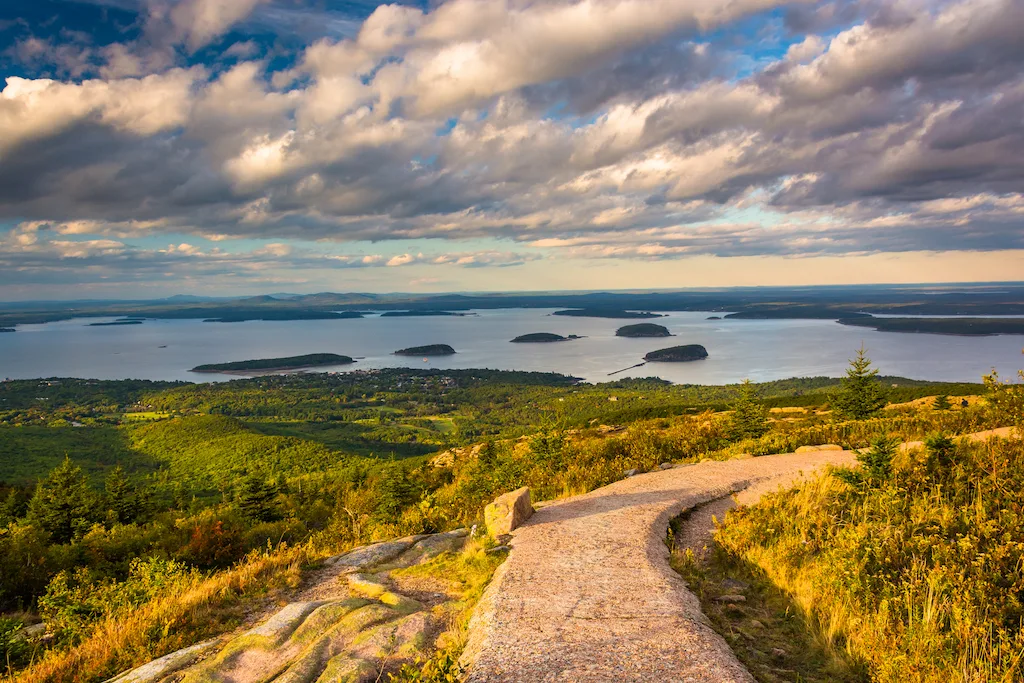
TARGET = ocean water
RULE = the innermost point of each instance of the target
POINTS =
(759, 349)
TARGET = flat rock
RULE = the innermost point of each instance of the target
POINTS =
(278, 627)
(368, 586)
(159, 668)
(378, 553)
(430, 547)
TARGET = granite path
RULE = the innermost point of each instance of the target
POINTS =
(587, 593)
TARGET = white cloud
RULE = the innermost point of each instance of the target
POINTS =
(198, 22)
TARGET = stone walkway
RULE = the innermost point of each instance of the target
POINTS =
(587, 593)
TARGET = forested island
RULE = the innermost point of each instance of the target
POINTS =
(543, 338)
(677, 354)
(116, 323)
(429, 350)
(643, 330)
(607, 313)
(311, 360)
(7, 329)
(419, 314)
(971, 327)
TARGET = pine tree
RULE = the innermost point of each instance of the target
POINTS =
(941, 402)
(860, 394)
(63, 505)
(394, 492)
(749, 417)
(121, 497)
(256, 499)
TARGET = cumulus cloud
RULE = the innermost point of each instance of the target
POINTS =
(592, 128)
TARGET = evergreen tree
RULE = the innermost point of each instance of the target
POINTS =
(860, 394)
(121, 497)
(63, 505)
(941, 402)
(749, 417)
(394, 493)
(256, 499)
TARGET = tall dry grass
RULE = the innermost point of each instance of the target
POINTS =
(199, 607)
(920, 576)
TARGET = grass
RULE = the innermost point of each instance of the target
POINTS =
(768, 631)
(146, 416)
(199, 608)
(910, 569)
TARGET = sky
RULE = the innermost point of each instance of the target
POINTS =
(222, 147)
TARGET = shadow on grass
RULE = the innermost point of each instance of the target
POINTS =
(766, 629)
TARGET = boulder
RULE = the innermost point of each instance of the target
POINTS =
(508, 512)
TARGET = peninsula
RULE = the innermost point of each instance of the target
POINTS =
(311, 360)
(677, 354)
(419, 314)
(643, 330)
(607, 313)
(543, 338)
(968, 327)
(6, 329)
(429, 350)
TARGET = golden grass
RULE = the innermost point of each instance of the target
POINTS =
(201, 607)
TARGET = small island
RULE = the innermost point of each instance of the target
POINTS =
(543, 338)
(677, 354)
(116, 323)
(311, 360)
(6, 329)
(607, 313)
(713, 317)
(418, 314)
(643, 330)
(429, 350)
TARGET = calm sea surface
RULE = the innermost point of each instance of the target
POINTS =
(759, 349)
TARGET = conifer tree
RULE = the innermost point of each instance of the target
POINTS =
(63, 505)
(256, 499)
(941, 402)
(121, 497)
(749, 417)
(860, 394)
(394, 492)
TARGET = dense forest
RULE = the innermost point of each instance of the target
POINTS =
(121, 494)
